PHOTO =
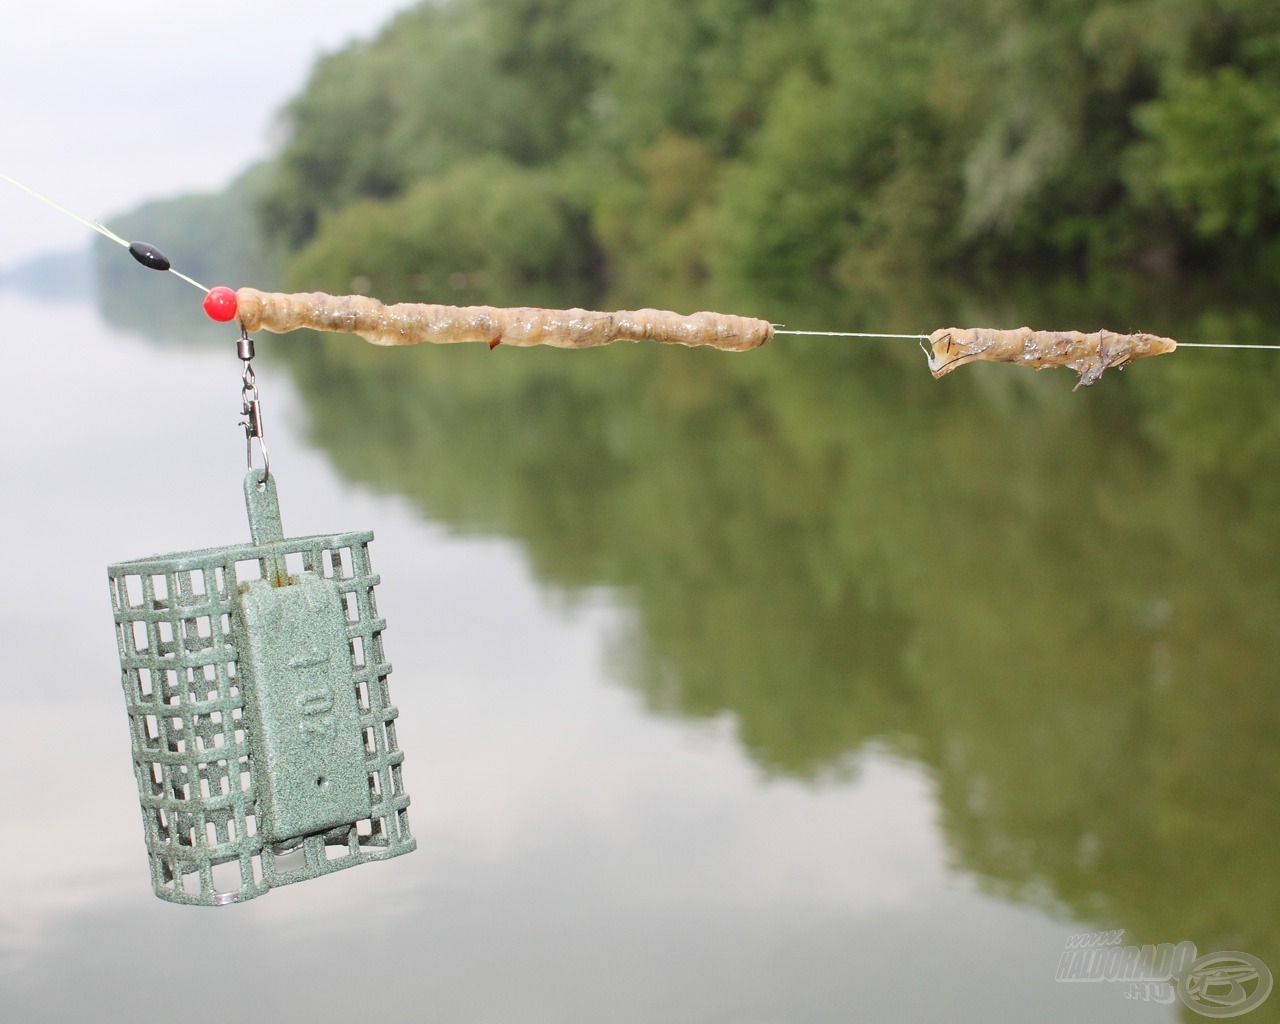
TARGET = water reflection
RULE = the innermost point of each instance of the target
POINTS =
(1062, 604)
(851, 609)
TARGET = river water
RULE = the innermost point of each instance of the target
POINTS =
(787, 686)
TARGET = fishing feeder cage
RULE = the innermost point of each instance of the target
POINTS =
(263, 735)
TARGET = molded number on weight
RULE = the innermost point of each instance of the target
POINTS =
(313, 705)
(304, 718)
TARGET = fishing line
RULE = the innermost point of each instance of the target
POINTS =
(852, 334)
(925, 337)
(151, 257)
(190, 281)
(100, 228)
(1210, 344)
(148, 255)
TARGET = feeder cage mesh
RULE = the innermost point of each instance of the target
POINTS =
(199, 765)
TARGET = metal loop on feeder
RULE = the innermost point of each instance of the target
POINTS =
(263, 734)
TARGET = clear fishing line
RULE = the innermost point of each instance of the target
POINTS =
(148, 255)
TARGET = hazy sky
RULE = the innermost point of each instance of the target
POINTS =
(105, 104)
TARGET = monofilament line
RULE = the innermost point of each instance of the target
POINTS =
(102, 229)
(191, 281)
(853, 334)
(1209, 344)
(925, 337)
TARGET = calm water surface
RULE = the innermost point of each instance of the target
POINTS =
(792, 686)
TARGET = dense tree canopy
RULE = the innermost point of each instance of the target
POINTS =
(592, 144)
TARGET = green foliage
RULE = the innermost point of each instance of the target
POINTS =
(444, 83)
(484, 228)
(1217, 151)
(789, 144)
(661, 216)
(786, 209)
(335, 151)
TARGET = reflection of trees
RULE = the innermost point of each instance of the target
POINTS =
(1064, 604)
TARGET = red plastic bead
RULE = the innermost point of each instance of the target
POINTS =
(220, 304)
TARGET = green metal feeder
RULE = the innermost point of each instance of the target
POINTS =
(264, 739)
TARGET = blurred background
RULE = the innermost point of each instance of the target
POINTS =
(786, 686)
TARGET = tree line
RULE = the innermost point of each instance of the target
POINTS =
(516, 150)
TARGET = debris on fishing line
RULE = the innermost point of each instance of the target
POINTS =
(411, 323)
(1090, 355)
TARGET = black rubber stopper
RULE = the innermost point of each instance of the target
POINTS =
(149, 256)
